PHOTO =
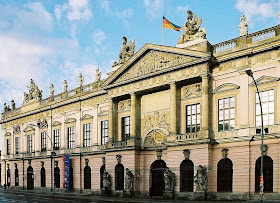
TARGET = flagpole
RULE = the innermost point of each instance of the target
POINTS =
(162, 33)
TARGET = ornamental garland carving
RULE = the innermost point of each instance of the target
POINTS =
(154, 61)
(156, 120)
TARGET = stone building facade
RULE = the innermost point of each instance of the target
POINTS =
(178, 122)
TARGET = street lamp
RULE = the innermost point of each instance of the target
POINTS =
(250, 73)
(38, 124)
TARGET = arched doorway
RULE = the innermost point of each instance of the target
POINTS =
(186, 176)
(87, 177)
(16, 177)
(102, 170)
(56, 177)
(157, 169)
(30, 178)
(43, 177)
(267, 174)
(224, 176)
(119, 177)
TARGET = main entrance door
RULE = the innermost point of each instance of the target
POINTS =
(30, 178)
(157, 169)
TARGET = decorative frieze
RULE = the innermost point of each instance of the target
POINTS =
(156, 120)
(191, 91)
(124, 105)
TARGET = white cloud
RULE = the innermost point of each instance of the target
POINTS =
(154, 8)
(99, 36)
(256, 10)
(182, 10)
(74, 10)
(105, 4)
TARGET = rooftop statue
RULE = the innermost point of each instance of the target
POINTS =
(97, 75)
(80, 80)
(65, 86)
(126, 51)
(34, 93)
(243, 25)
(51, 90)
(192, 29)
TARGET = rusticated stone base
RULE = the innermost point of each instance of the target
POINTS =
(191, 196)
(128, 193)
(168, 195)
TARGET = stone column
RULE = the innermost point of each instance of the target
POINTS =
(133, 115)
(111, 120)
(205, 106)
(173, 108)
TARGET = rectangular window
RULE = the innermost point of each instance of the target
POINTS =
(56, 139)
(17, 145)
(104, 132)
(193, 118)
(226, 113)
(125, 128)
(267, 99)
(29, 143)
(87, 134)
(70, 135)
(8, 146)
(43, 142)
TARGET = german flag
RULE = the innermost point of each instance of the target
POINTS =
(167, 24)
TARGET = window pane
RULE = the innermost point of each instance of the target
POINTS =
(192, 118)
(226, 113)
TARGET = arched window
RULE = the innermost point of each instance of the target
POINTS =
(102, 170)
(56, 177)
(186, 175)
(43, 177)
(30, 178)
(267, 174)
(119, 177)
(224, 178)
(16, 177)
(87, 177)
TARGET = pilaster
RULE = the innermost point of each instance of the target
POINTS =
(133, 115)
(111, 120)
(173, 108)
(205, 106)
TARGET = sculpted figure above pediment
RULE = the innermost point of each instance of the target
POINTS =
(126, 51)
(192, 29)
(34, 93)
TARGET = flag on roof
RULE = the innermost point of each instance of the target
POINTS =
(167, 24)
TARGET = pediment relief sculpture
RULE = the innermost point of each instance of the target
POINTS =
(192, 29)
(126, 52)
(34, 93)
(264, 79)
(154, 61)
(56, 123)
(86, 116)
(225, 87)
(28, 129)
(70, 120)
(191, 91)
(124, 105)
(16, 129)
(44, 123)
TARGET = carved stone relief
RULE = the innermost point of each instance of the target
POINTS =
(156, 120)
(191, 91)
(200, 179)
(224, 153)
(34, 93)
(186, 153)
(16, 129)
(265, 149)
(124, 105)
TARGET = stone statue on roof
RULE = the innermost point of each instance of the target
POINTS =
(51, 90)
(65, 86)
(192, 29)
(243, 25)
(80, 80)
(34, 93)
(126, 51)
(97, 75)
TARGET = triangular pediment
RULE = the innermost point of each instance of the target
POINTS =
(86, 116)
(28, 129)
(225, 87)
(70, 120)
(151, 60)
(56, 123)
(265, 79)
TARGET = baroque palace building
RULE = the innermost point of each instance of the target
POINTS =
(177, 122)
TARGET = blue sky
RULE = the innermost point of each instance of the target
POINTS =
(50, 41)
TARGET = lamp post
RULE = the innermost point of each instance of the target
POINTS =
(38, 124)
(250, 73)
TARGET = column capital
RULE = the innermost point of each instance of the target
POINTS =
(133, 93)
(110, 98)
(205, 75)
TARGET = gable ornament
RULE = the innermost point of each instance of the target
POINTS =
(126, 52)
(34, 93)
